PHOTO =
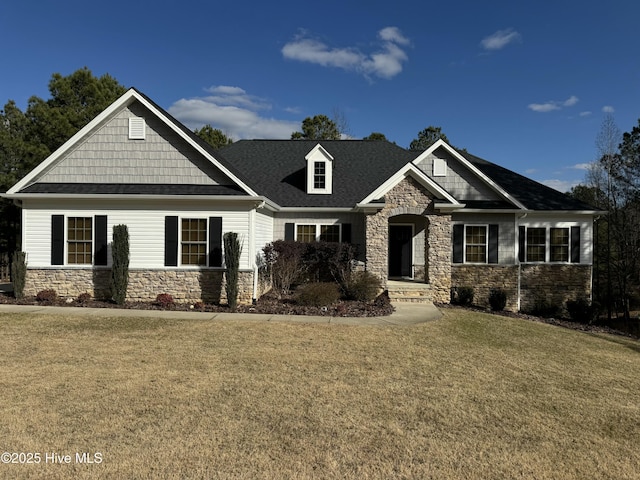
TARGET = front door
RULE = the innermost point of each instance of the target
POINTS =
(400, 250)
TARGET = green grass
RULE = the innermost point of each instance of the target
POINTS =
(470, 396)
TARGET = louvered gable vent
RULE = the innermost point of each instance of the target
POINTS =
(136, 128)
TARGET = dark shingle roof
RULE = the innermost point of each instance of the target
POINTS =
(131, 189)
(276, 168)
(533, 195)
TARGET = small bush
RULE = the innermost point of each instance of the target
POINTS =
(363, 286)
(19, 273)
(544, 308)
(317, 294)
(164, 300)
(47, 296)
(462, 296)
(84, 298)
(582, 311)
(497, 299)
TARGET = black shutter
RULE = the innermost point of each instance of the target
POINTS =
(575, 244)
(289, 231)
(522, 237)
(100, 243)
(170, 241)
(458, 243)
(57, 239)
(346, 233)
(215, 241)
(493, 243)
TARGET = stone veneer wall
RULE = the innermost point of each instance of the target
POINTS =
(409, 197)
(185, 286)
(438, 264)
(485, 277)
(554, 284)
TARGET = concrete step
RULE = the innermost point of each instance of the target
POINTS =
(409, 292)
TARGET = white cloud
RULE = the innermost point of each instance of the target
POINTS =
(500, 39)
(234, 112)
(385, 63)
(608, 109)
(571, 101)
(561, 185)
(585, 114)
(530, 171)
(581, 166)
(553, 105)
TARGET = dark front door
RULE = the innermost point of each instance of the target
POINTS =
(400, 250)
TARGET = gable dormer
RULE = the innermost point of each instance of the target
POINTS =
(319, 171)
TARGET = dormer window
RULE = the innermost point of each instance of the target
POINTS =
(319, 171)
(319, 175)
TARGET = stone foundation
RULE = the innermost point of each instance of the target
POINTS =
(483, 278)
(554, 284)
(185, 286)
(539, 283)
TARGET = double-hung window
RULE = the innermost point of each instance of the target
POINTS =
(193, 242)
(536, 244)
(317, 233)
(559, 239)
(476, 243)
(79, 240)
(550, 244)
(319, 175)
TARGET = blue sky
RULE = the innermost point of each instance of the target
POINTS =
(523, 84)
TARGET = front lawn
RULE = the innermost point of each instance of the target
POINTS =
(471, 396)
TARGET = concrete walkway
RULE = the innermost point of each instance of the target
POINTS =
(406, 313)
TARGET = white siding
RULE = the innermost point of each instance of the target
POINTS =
(507, 237)
(144, 220)
(263, 230)
(566, 221)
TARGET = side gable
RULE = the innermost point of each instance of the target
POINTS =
(103, 153)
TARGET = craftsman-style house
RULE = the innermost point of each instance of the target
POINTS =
(435, 220)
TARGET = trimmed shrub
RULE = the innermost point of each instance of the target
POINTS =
(317, 294)
(544, 308)
(462, 295)
(363, 286)
(84, 298)
(232, 251)
(47, 296)
(120, 269)
(582, 311)
(19, 273)
(165, 300)
(497, 299)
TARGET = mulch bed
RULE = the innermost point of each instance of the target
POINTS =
(268, 304)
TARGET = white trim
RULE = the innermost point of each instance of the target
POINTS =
(125, 100)
(319, 154)
(409, 170)
(497, 188)
(439, 167)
